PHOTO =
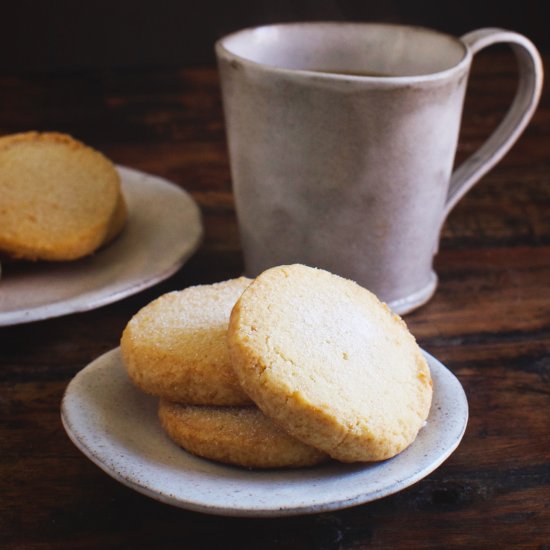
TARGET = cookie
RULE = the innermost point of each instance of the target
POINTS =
(175, 347)
(57, 197)
(329, 363)
(242, 436)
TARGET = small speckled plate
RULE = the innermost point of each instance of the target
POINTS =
(163, 230)
(115, 425)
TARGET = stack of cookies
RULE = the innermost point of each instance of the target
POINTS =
(59, 199)
(294, 368)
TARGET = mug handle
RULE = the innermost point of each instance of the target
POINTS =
(516, 119)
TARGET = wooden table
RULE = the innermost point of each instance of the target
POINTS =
(489, 322)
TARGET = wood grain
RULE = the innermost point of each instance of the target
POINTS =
(489, 322)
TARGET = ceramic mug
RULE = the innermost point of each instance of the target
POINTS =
(342, 138)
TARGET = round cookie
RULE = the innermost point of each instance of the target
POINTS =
(57, 197)
(330, 363)
(175, 347)
(242, 436)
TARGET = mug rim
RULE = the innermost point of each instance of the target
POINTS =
(223, 52)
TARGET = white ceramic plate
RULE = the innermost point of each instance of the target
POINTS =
(163, 230)
(115, 425)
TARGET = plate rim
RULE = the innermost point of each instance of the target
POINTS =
(75, 304)
(265, 511)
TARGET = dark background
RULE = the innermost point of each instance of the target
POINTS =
(59, 35)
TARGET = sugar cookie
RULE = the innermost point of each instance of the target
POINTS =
(235, 435)
(329, 363)
(175, 347)
(57, 197)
